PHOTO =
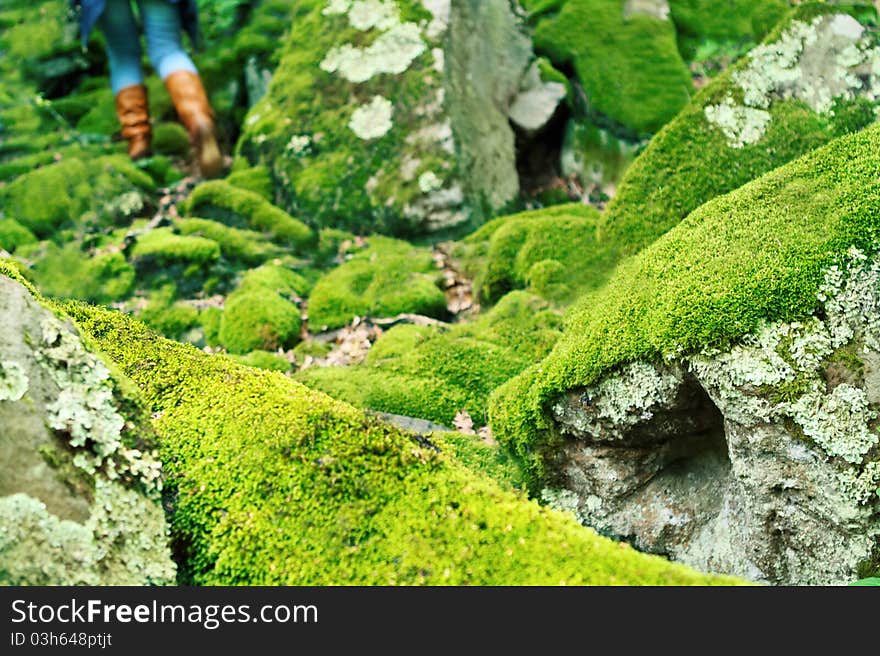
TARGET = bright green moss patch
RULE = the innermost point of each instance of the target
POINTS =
(753, 255)
(72, 273)
(275, 484)
(162, 246)
(245, 246)
(241, 208)
(13, 235)
(419, 371)
(58, 194)
(387, 278)
(482, 458)
(257, 179)
(737, 22)
(555, 252)
(258, 318)
(629, 66)
(170, 139)
(278, 279)
(264, 360)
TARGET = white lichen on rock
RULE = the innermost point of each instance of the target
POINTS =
(624, 399)
(86, 408)
(819, 62)
(428, 182)
(123, 542)
(13, 381)
(299, 145)
(741, 125)
(392, 52)
(372, 120)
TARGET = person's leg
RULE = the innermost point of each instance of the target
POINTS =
(120, 31)
(162, 28)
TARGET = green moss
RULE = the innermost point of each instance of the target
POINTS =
(388, 278)
(419, 371)
(723, 21)
(241, 208)
(245, 246)
(674, 175)
(59, 194)
(264, 360)
(629, 67)
(71, 272)
(163, 246)
(13, 235)
(275, 484)
(210, 319)
(520, 250)
(169, 318)
(257, 179)
(278, 279)
(170, 139)
(258, 318)
(482, 458)
(753, 255)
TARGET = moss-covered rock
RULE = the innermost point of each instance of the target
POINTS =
(353, 125)
(754, 255)
(246, 247)
(261, 313)
(80, 484)
(59, 194)
(387, 278)
(313, 492)
(170, 139)
(627, 61)
(555, 252)
(259, 319)
(74, 273)
(756, 116)
(240, 208)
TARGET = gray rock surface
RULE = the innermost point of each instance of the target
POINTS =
(79, 482)
(761, 460)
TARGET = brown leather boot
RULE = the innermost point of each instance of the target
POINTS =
(134, 115)
(194, 111)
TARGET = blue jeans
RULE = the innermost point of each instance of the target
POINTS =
(161, 21)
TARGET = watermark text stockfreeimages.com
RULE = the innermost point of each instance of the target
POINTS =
(209, 616)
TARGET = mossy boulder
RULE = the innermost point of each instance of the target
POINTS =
(261, 314)
(80, 485)
(356, 104)
(387, 278)
(757, 254)
(241, 208)
(302, 489)
(771, 107)
(246, 247)
(73, 272)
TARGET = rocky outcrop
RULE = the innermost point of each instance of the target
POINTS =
(761, 459)
(79, 481)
